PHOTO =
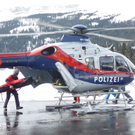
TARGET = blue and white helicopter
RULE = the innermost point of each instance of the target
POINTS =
(75, 65)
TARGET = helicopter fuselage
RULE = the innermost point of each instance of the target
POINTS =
(82, 66)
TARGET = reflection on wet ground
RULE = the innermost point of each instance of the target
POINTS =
(35, 120)
(15, 123)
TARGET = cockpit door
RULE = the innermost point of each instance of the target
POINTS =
(121, 64)
(106, 63)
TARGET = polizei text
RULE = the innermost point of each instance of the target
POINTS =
(107, 79)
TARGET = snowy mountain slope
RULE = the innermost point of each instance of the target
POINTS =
(11, 13)
(11, 22)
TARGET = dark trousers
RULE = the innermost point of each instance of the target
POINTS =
(14, 92)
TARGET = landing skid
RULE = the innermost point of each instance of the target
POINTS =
(65, 105)
(92, 106)
(100, 107)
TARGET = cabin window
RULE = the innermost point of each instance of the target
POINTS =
(90, 62)
(107, 63)
(121, 64)
(49, 51)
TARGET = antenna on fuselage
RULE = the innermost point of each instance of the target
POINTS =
(110, 47)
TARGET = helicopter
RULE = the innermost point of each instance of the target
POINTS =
(75, 65)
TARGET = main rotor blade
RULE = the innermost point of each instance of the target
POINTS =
(37, 33)
(38, 22)
(51, 25)
(111, 37)
(107, 29)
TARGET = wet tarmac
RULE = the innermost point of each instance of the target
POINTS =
(33, 119)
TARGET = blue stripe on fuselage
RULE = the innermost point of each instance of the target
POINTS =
(46, 63)
(9, 62)
(107, 79)
(41, 62)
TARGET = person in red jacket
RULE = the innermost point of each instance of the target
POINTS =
(12, 90)
(76, 99)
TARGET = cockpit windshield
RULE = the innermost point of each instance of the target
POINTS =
(131, 65)
(112, 63)
(121, 64)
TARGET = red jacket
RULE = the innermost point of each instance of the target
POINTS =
(10, 79)
(16, 83)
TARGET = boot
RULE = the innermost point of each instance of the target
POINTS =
(19, 107)
(74, 102)
(107, 102)
(5, 109)
(115, 102)
(130, 100)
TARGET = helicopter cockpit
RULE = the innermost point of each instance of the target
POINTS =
(121, 64)
(111, 63)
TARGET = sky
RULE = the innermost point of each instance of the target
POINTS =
(103, 5)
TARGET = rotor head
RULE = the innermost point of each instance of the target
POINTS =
(79, 28)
